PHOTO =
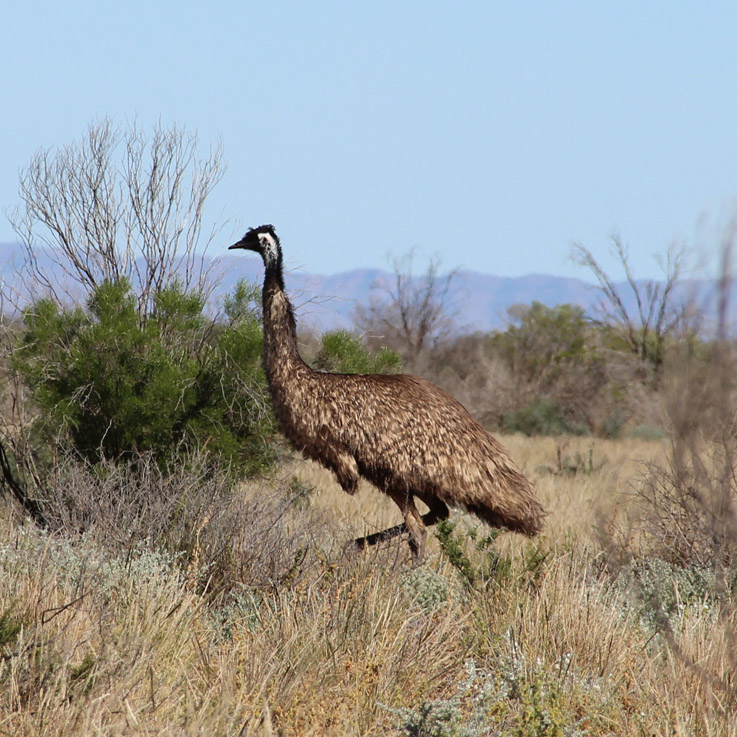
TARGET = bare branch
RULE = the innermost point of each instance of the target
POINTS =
(118, 204)
(412, 311)
(656, 315)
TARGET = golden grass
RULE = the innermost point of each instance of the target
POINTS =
(550, 644)
(574, 500)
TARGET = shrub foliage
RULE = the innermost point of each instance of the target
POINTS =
(344, 352)
(111, 384)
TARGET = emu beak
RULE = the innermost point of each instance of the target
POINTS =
(246, 243)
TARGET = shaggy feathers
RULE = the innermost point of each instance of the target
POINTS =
(403, 434)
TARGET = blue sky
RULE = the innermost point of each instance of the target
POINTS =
(494, 134)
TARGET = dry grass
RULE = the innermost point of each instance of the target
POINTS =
(575, 498)
(548, 643)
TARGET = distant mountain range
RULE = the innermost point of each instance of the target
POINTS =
(480, 301)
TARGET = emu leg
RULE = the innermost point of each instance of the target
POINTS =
(438, 511)
(413, 524)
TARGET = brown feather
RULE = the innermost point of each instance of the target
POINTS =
(403, 434)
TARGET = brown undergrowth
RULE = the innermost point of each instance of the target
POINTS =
(490, 636)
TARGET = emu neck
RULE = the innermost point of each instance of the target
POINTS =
(281, 355)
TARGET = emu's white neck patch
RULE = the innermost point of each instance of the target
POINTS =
(270, 247)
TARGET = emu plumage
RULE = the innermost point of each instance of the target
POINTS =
(403, 434)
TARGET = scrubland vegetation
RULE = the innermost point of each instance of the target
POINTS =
(169, 567)
(255, 623)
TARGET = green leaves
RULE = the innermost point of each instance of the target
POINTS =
(111, 381)
(545, 338)
(343, 352)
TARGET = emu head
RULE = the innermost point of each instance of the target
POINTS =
(264, 241)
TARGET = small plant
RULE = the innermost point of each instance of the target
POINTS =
(10, 627)
(578, 463)
(426, 587)
(242, 610)
(494, 566)
(430, 719)
(82, 676)
(448, 717)
(572, 465)
(482, 564)
(667, 590)
(453, 550)
(541, 712)
(298, 493)
(512, 699)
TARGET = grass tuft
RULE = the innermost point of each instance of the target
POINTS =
(493, 634)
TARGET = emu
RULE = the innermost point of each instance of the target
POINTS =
(403, 434)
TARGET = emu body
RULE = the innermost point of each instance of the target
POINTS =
(403, 434)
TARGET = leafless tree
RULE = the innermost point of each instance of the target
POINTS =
(686, 514)
(409, 313)
(658, 312)
(117, 203)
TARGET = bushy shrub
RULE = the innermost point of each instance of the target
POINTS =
(428, 588)
(258, 534)
(612, 425)
(647, 432)
(543, 417)
(343, 352)
(110, 382)
(517, 698)
(687, 513)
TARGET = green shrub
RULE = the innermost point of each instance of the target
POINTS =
(343, 352)
(472, 553)
(543, 417)
(612, 425)
(647, 432)
(111, 382)
(10, 627)
(453, 549)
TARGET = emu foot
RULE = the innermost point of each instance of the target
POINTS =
(378, 537)
(389, 534)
